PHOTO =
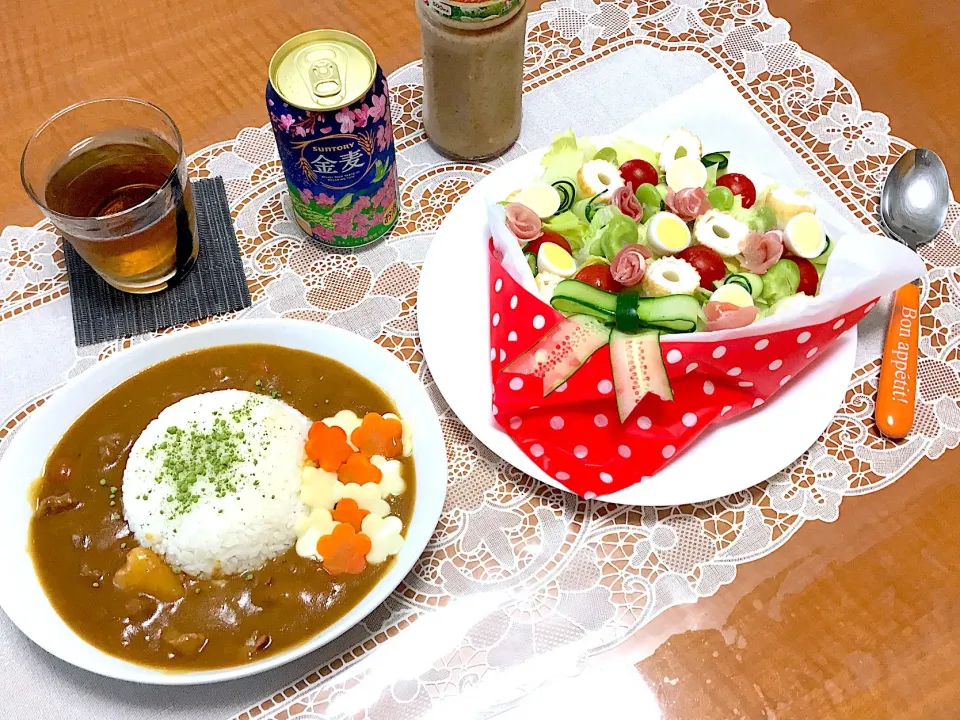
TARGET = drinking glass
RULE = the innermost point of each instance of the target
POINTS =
(111, 176)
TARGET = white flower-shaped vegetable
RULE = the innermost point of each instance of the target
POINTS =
(347, 421)
(385, 537)
(720, 232)
(319, 488)
(392, 481)
(311, 529)
(368, 497)
(407, 434)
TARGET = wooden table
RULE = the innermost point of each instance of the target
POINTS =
(855, 619)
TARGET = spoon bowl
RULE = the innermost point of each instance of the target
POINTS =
(915, 197)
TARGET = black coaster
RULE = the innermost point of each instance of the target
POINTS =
(216, 284)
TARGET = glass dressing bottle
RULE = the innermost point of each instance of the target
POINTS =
(472, 75)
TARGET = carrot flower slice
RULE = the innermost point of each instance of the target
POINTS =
(378, 435)
(347, 511)
(344, 550)
(358, 469)
(328, 446)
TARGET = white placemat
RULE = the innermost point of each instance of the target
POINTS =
(522, 583)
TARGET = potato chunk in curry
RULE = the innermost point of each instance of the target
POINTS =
(146, 572)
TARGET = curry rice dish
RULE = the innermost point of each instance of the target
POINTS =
(222, 506)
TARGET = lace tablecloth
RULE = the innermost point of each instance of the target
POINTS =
(521, 583)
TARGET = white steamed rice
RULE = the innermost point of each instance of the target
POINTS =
(258, 476)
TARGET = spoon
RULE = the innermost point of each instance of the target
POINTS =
(913, 208)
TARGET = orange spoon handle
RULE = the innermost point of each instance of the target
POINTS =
(896, 396)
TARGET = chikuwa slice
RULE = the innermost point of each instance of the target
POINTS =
(599, 177)
(670, 276)
(720, 232)
(677, 145)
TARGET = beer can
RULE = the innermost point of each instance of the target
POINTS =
(329, 106)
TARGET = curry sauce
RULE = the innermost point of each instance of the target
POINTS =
(79, 540)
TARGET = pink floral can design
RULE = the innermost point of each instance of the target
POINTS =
(329, 106)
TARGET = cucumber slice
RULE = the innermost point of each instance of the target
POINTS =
(670, 313)
(562, 351)
(568, 194)
(637, 365)
(626, 317)
(756, 284)
(627, 310)
(532, 262)
(572, 297)
(720, 159)
(750, 282)
(738, 279)
(591, 209)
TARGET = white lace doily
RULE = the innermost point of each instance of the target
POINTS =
(516, 570)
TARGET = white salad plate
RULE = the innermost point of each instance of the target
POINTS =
(22, 597)
(453, 311)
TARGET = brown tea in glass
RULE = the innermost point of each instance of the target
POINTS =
(117, 191)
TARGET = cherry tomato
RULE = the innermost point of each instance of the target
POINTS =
(808, 275)
(637, 172)
(739, 185)
(598, 275)
(707, 262)
(548, 237)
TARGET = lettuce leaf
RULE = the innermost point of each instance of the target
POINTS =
(593, 260)
(711, 178)
(580, 210)
(733, 265)
(620, 231)
(791, 302)
(630, 150)
(759, 217)
(563, 159)
(591, 239)
(570, 226)
(589, 148)
(780, 281)
(642, 234)
(820, 261)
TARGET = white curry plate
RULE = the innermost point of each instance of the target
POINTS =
(22, 597)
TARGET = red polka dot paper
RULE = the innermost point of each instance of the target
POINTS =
(575, 434)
